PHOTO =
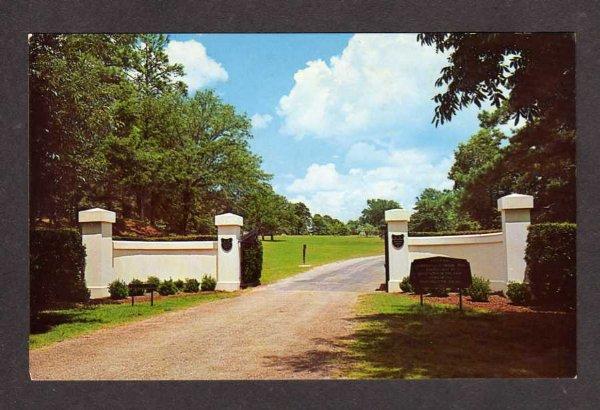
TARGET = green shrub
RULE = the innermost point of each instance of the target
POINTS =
(118, 289)
(551, 263)
(153, 280)
(405, 285)
(179, 284)
(208, 283)
(191, 286)
(167, 287)
(480, 289)
(56, 268)
(136, 291)
(518, 293)
(252, 257)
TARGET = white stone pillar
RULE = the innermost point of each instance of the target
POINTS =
(398, 258)
(516, 218)
(229, 226)
(96, 233)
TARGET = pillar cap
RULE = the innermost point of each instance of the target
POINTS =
(515, 201)
(392, 215)
(229, 219)
(97, 215)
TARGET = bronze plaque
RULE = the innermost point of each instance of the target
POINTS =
(398, 241)
(226, 244)
(440, 272)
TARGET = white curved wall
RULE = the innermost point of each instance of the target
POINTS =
(485, 253)
(177, 260)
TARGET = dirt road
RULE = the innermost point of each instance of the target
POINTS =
(287, 330)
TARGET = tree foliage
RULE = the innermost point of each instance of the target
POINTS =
(529, 79)
(374, 213)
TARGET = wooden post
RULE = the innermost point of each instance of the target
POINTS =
(304, 254)
(152, 297)
(460, 298)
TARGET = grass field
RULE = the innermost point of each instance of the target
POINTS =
(58, 325)
(282, 256)
(397, 338)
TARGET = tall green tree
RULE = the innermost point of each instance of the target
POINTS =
(74, 81)
(437, 211)
(531, 77)
(374, 213)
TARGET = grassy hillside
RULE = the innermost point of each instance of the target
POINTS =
(283, 255)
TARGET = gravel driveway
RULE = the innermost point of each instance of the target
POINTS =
(287, 330)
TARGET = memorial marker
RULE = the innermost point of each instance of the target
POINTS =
(440, 273)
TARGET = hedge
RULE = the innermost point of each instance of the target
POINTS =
(56, 268)
(551, 263)
(453, 233)
(252, 258)
(174, 238)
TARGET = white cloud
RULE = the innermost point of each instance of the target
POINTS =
(260, 121)
(401, 175)
(200, 69)
(379, 83)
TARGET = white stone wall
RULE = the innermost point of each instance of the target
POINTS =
(107, 259)
(498, 257)
(177, 260)
(484, 252)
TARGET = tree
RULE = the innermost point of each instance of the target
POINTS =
(478, 176)
(302, 220)
(73, 83)
(374, 213)
(437, 211)
(529, 77)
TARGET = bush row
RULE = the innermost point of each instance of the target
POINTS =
(56, 268)
(479, 290)
(118, 289)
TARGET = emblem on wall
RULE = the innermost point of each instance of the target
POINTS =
(398, 241)
(226, 244)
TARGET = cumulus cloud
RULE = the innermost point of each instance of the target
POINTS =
(401, 175)
(260, 121)
(378, 83)
(200, 69)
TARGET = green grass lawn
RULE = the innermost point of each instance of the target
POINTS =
(282, 256)
(58, 325)
(397, 338)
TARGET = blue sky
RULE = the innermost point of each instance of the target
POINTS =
(337, 118)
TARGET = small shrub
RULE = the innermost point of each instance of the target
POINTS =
(153, 280)
(405, 285)
(167, 287)
(179, 284)
(551, 263)
(480, 289)
(191, 286)
(138, 291)
(118, 289)
(518, 293)
(208, 283)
